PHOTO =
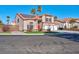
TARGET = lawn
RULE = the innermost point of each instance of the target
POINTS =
(5, 33)
(34, 33)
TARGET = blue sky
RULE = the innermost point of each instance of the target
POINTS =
(62, 11)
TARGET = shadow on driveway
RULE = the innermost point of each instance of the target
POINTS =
(69, 36)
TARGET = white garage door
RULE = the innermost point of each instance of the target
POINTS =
(53, 28)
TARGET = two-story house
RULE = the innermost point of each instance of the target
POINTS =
(43, 23)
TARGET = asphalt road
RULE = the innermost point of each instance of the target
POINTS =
(37, 45)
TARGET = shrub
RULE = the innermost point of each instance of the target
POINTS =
(5, 28)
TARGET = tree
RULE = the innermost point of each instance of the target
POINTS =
(39, 9)
(33, 11)
(8, 19)
(39, 21)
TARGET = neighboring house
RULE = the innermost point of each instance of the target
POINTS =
(76, 24)
(36, 23)
(69, 25)
(61, 24)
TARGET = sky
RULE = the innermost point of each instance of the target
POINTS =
(61, 11)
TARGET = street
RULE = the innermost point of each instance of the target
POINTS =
(37, 45)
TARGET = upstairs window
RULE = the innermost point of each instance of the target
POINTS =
(48, 20)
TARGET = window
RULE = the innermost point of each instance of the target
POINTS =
(48, 19)
(31, 23)
(39, 21)
(18, 20)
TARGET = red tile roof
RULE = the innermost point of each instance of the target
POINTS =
(60, 21)
(47, 15)
(68, 19)
(28, 17)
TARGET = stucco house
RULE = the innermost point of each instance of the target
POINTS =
(36, 23)
(70, 24)
(27, 22)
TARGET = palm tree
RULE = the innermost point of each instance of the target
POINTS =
(8, 19)
(39, 9)
(39, 21)
(33, 11)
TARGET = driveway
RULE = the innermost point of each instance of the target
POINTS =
(44, 44)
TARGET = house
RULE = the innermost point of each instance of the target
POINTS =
(27, 22)
(77, 23)
(67, 23)
(61, 24)
(36, 23)
(71, 22)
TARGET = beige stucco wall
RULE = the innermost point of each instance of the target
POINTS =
(43, 18)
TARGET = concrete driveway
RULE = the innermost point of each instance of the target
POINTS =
(37, 45)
